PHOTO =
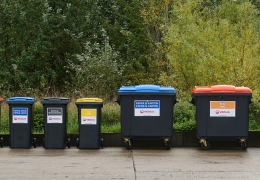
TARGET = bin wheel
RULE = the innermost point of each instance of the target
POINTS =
(167, 146)
(102, 143)
(43, 143)
(128, 145)
(68, 143)
(77, 142)
(2, 142)
(205, 147)
(243, 146)
(34, 142)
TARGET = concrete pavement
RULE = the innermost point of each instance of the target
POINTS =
(139, 163)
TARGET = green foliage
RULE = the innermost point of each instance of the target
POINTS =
(72, 126)
(4, 123)
(110, 113)
(184, 116)
(111, 127)
(214, 46)
(38, 121)
(57, 46)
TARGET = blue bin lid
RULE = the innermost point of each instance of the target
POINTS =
(147, 88)
(21, 99)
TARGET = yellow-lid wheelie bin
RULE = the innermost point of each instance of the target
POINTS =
(89, 117)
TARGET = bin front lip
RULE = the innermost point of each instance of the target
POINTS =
(54, 102)
(146, 93)
(20, 102)
(225, 94)
(89, 103)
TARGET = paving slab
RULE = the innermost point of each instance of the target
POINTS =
(137, 164)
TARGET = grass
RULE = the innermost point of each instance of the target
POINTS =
(184, 117)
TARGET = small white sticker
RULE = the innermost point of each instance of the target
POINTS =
(147, 108)
(54, 115)
(20, 115)
(88, 116)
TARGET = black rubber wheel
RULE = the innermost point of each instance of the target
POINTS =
(43, 143)
(243, 146)
(102, 143)
(68, 143)
(167, 146)
(1, 142)
(34, 142)
(204, 147)
(128, 146)
(77, 142)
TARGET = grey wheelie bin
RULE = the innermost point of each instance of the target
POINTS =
(1, 138)
(55, 123)
(89, 117)
(21, 122)
(146, 113)
(222, 113)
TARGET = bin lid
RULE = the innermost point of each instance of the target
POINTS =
(221, 89)
(147, 88)
(1, 99)
(56, 98)
(21, 99)
(89, 100)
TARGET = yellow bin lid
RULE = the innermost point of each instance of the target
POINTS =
(90, 100)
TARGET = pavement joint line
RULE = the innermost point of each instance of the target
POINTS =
(133, 163)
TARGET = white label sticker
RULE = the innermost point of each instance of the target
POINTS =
(222, 108)
(20, 115)
(54, 115)
(147, 107)
(88, 116)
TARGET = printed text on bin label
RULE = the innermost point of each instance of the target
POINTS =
(20, 115)
(147, 108)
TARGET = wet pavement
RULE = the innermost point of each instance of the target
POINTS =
(140, 164)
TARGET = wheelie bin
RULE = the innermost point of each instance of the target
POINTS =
(89, 117)
(1, 138)
(146, 113)
(21, 112)
(222, 113)
(55, 123)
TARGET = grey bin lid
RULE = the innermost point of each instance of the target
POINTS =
(55, 100)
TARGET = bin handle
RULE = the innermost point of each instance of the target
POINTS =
(117, 101)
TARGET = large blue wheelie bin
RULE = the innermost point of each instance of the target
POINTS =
(146, 113)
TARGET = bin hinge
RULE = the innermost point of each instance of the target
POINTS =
(128, 140)
(243, 141)
(204, 142)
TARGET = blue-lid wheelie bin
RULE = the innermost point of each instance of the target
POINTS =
(1, 138)
(89, 117)
(55, 123)
(146, 113)
(222, 113)
(21, 122)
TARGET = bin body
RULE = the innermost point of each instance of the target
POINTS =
(89, 117)
(55, 122)
(21, 122)
(146, 111)
(222, 112)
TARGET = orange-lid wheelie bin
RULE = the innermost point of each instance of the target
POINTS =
(222, 113)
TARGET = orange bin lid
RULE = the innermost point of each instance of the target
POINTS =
(1, 99)
(221, 89)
